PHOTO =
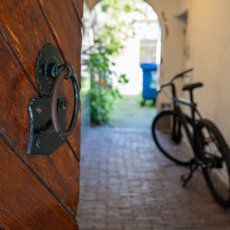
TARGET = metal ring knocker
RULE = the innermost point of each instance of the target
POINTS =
(56, 72)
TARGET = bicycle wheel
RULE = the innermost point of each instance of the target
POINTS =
(170, 138)
(215, 154)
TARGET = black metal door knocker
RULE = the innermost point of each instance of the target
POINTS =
(48, 112)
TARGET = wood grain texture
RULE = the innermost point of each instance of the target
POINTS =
(24, 202)
(67, 32)
(33, 30)
(60, 171)
(78, 7)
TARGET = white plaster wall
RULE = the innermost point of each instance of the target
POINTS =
(173, 39)
(173, 43)
(209, 41)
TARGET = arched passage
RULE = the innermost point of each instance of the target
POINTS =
(172, 33)
(172, 44)
(147, 40)
(92, 4)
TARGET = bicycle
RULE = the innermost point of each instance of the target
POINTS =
(175, 133)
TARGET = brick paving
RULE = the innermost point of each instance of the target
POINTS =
(126, 184)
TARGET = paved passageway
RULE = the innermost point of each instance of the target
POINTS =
(127, 184)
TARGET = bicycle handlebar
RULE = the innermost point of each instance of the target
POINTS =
(176, 76)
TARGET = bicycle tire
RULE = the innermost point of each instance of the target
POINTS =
(175, 150)
(217, 179)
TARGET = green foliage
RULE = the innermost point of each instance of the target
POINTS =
(108, 43)
(100, 66)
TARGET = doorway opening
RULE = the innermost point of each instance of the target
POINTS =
(140, 38)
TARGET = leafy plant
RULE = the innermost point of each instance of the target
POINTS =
(108, 43)
(103, 92)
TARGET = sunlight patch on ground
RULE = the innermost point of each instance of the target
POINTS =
(130, 114)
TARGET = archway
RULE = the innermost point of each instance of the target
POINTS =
(148, 43)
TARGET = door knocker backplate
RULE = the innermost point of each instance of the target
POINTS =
(48, 112)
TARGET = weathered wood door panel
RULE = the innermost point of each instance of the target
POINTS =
(25, 203)
(44, 22)
(26, 26)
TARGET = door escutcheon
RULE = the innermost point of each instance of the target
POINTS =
(48, 112)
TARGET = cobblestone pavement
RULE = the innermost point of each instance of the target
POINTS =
(127, 184)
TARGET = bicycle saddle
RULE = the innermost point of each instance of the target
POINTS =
(192, 86)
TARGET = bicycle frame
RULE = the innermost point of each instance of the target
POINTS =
(184, 119)
(200, 134)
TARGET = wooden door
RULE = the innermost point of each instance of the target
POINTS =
(36, 192)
